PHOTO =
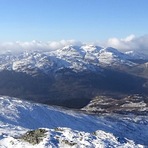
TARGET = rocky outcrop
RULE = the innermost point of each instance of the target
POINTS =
(34, 136)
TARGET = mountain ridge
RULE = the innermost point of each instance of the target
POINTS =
(72, 76)
(79, 55)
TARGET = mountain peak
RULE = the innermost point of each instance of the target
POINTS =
(91, 48)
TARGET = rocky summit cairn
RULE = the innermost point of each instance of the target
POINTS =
(34, 136)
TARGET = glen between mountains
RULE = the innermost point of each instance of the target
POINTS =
(78, 77)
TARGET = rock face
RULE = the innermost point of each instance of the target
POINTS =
(134, 104)
(34, 136)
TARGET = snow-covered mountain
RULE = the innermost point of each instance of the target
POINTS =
(67, 128)
(77, 58)
(72, 76)
(101, 80)
(136, 55)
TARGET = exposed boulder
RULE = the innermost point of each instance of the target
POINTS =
(34, 136)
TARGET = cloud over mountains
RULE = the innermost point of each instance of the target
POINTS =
(131, 42)
(35, 45)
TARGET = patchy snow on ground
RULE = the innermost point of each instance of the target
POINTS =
(66, 137)
(67, 128)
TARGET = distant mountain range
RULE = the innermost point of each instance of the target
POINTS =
(76, 58)
(74, 75)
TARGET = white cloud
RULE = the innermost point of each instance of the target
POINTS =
(35, 45)
(129, 43)
(62, 43)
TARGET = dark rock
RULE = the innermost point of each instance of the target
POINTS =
(34, 136)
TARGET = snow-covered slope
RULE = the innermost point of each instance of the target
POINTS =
(66, 128)
(112, 56)
(136, 55)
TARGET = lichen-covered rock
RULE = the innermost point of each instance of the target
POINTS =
(34, 136)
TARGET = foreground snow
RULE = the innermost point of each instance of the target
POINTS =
(67, 128)
(66, 137)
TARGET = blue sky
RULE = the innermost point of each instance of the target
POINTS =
(83, 20)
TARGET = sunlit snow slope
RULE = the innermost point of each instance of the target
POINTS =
(68, 128)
